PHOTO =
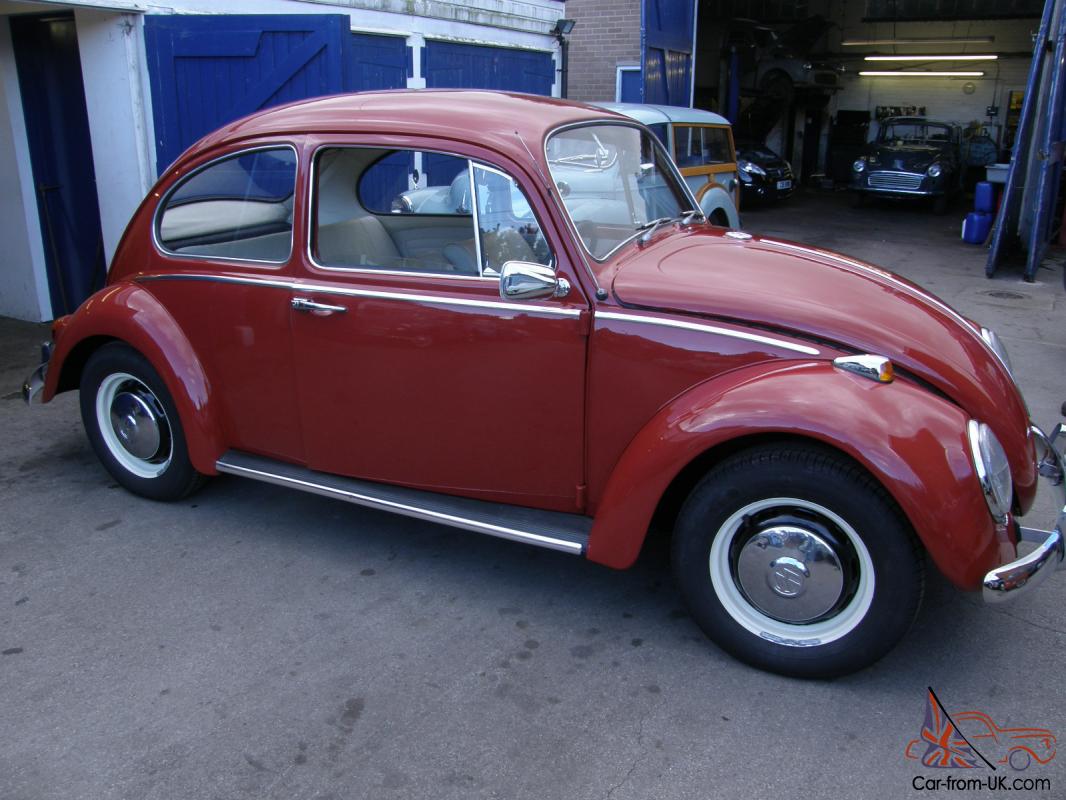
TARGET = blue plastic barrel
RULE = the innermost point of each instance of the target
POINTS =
(984, 198)
(975, 227)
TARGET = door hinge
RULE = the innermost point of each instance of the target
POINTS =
(580, 496)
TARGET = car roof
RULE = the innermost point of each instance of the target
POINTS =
(466, 115)
(651, 114)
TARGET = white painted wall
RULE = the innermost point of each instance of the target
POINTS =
(943, 98)
(23, 281)
(120, 125)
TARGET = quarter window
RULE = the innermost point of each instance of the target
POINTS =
(239, 207)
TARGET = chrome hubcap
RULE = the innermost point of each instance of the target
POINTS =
(136, 424)
(133, 425)
(790, 573)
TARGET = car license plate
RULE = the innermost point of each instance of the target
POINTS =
(784, 184)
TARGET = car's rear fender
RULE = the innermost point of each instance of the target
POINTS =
(912, 441)
(129, 313)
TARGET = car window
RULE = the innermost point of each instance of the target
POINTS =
(615, 181)
(701, 146)
(411, 211)
(507, 228)
(915, 132)
(239, 207)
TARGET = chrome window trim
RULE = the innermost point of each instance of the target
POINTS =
(625, 122)
(157, 216)
(312, 183)
(667, 322)
(377, 294)
(477, 218)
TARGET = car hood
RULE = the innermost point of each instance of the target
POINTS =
(907, 157)
(826, 297)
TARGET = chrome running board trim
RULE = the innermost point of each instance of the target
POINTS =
(554, 530)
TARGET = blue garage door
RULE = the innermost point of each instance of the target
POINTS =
(206, 71)
(666, 28)
(450, 65)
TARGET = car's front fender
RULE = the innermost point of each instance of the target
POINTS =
(129, 313)
(714, 197)
(912, 441)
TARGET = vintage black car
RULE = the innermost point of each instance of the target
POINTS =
(911, 157)
(764, 175)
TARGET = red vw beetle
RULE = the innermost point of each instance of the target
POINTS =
(554, 350)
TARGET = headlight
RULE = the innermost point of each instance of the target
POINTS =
(997, 347)
(751, 168)
(859, 165)
(933, 171)
(993, 470)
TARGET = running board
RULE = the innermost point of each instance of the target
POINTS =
(568, 533)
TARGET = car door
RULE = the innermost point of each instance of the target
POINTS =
(411, 368)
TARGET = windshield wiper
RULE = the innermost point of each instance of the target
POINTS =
(651, 226)
(688, 216)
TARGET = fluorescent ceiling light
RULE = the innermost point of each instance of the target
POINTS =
(919, 40)
(966, 57)
(904, 73)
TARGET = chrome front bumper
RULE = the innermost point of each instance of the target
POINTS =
(34, 384)
(1029, 571)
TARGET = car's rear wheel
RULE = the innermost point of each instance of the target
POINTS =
(795, 560)
(133, 425)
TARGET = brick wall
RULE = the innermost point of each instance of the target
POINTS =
(607, 34)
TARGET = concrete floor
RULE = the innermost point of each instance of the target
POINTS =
(252, 642)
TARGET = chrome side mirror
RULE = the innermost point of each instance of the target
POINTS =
(522, 280)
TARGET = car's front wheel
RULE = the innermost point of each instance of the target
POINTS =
(795, 560)
(133, 425)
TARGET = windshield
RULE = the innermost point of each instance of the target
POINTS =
(917, 132)
(614, 181)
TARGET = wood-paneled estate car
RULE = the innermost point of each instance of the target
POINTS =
(558, 367)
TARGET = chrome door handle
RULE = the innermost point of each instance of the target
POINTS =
(303, 304)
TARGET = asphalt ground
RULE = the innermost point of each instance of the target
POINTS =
(253, 642)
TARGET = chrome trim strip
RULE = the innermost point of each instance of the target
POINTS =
(713, 329)
(524, 308)
(499, 531)
(883, 190)
(477, 218)
(249, 281)
(157, 216)
(442, 301)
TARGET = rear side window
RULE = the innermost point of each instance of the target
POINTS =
(238, 208)
(701, 146)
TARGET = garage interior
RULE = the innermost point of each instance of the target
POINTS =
(813, 81)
